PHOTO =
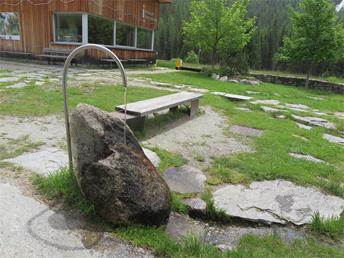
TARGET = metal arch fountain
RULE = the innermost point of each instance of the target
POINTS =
(67, 64)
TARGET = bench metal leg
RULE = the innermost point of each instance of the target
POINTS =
(194, 108)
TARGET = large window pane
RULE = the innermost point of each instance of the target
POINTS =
(68, 27)
(125, 35)
(100, 30)
(9, 26)
(144, 38)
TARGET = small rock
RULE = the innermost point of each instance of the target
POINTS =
(281, 117)
(195, 205)
(334, 139)
(185, 179)
(152, 156)
(315, 121)
(180, 226)
(266, 102)
(302, 126)
(233, 81)
(306, 157)
(214, 76)
(224, 78)
(249, 82)
(246, 131)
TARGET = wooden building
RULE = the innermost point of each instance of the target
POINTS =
(125, 26)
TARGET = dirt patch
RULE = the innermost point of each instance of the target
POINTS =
(203, 137)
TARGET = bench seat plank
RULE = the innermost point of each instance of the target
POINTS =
(146, 107)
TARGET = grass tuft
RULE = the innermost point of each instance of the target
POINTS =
(178, 205)
(333, 228)
(168, 159)
(62, 185)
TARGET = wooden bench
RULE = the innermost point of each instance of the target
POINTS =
(15, 53)
(57, 54)
(142, 109)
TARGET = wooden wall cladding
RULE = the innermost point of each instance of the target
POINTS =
(36, 20)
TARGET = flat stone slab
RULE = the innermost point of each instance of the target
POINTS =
(42, 162)
(339, 115)
(246, 131)
(334, 139)
(302, 126)
(316, 121)
(31, 229)
(243, 109)
(152, 156)
(297, 106)
(185, 179)
(306, 157)
(266, 102)
(269, 109)
(9, 79)
(232, 96)
(17, 86)
(277, 201)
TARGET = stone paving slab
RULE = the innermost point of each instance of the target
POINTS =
(276, 201)
(185, 179)
(316, 121)
(334, 139)
(246, 131)
(232, 96)
(271, 102)
(30, 229)
(152, 156)
(306, 157)
(42, 162)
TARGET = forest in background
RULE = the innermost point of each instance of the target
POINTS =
(272, 25)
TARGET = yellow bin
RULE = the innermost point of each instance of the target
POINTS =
(179, 63)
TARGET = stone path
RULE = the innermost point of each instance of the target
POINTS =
(334, 139)
(232, 96)
(276, 201)
(226, 237)
(29, 228)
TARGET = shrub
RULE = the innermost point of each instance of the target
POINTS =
(192, 58)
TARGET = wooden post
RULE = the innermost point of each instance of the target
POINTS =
(194, 108)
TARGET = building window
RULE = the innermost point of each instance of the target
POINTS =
(125, 35)
(9, 26)
(100, 30)
(144, 38)
(68, 27)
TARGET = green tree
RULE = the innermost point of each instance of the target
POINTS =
(218, 29)
(315, 35)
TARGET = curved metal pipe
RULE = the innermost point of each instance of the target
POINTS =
(69, 59)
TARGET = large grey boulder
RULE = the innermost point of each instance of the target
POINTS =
(118, 178)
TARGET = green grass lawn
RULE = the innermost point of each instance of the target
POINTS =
(271, 159)
(40, 101)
